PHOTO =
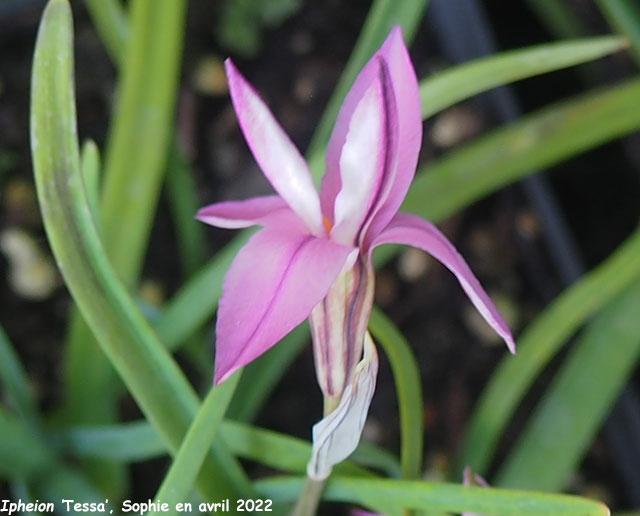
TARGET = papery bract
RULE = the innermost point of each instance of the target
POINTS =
(313, 256)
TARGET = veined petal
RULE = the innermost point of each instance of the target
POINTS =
(414, 231)
(366, 158)
(405, 91)
(338, 434)
(277, 156)
(242, 214)
(339, 323)
(272, 285)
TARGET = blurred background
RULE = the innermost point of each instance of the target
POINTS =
(525, 243)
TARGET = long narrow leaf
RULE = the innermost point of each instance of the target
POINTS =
(460, 82)
(538, 344)
(15, 381)
(179, 480)
(151, 375)
(624, 15)
(437, 497)
(110, 19)
(408, 391)
(581, 395)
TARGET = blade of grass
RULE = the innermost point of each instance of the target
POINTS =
(408, 391)
(153, 378)
(624, 16)
(436, 497)
(15, 381)
(538, 344)
(179, 480)
(576, 403)
(383, 16)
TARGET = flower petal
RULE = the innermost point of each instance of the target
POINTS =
(338, 434)
(277, 156)
(365, 159)
(405, 91)
(272, 285)
(241, 214)
(414, 231)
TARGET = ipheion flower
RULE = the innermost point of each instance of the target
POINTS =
(312, 257)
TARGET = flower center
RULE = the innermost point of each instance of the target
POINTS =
(326, 223)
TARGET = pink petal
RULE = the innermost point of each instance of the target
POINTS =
(241, 214)
(277, 156)
(362, 164)
(414, 231)
(272, 285)
(405, 91)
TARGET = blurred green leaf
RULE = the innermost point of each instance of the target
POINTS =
(148, 370)
(457, 83)
(538, 344)
(624, 16)
(90, 165)
(133, 171)
(138, 441)
(112, 25)
(262, 374)
(184, 203)
(559, 17)
(179, 480)
(242, 22)
(576, 403)
(393, 494)
(15, 381)
(408, 391)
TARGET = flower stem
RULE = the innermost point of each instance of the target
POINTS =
(307, 504)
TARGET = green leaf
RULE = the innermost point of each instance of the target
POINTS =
(578, 400)
(456, 498)
(383, 16)
(179, 480)
(26, 459)
(262, 375)
(184, 203)
(450, 86)
(624, 16)
(111, 21)
(139, 441)
(535, 142)
(408, 391)
(538, 344)
(15, 381)
(90, 165)
(149, 372)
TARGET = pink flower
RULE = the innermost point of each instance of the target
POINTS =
(313, 256)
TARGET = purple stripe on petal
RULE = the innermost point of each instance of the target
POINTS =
(277, 156)
(362, 164)
(272, 285)
(242, 214)
(405, 89)
(414, 231)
